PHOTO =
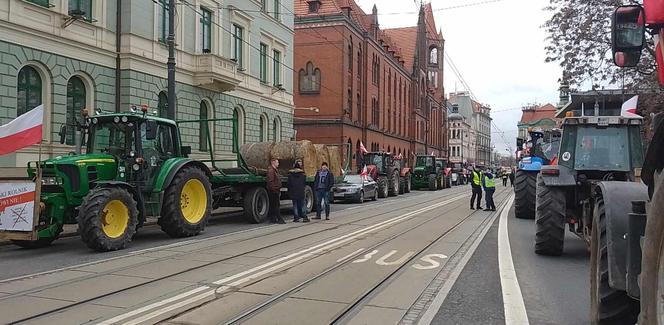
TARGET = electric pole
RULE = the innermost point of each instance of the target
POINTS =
(171, 59)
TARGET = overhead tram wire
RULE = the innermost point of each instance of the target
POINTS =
(199, 13)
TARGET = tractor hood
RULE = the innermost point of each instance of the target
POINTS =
(75, 173)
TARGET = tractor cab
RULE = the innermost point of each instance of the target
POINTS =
(378, 163)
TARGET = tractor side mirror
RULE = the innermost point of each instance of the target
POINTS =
(627, 35)
(150, 130)
(185, 150)
(63, 133)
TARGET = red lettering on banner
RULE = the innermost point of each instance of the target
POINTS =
(16, 200)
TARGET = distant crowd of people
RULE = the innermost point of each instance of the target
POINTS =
(323, 182)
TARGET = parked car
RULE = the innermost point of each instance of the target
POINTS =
(355, 188)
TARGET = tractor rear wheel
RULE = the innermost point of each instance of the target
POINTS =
(549, 220)
(107, 218)
(525, 190)
(382, 187)
(407, 184)
(432, 182)
(187, 203)
(652, 265)
(257, 204)
(394, 184)
(607, 305)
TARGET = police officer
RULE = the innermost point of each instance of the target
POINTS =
(476, 185)
(489, 184)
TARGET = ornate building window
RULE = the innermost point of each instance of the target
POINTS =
(29, 93)
(433, 56)
(310, 79)
(76, 98)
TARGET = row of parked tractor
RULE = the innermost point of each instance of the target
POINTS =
(592, 178)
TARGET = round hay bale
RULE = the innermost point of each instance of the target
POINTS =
(335, 163)
(257, 155)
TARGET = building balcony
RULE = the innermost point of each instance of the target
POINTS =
(215, 73)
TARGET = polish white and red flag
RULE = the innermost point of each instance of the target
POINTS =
(23, 131)
(629, 107)
(365, 172)
(363, 150)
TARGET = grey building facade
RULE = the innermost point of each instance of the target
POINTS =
(233, 58)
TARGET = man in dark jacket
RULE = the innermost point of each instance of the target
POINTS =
(273, 190)
(297, 181)
(323, 182)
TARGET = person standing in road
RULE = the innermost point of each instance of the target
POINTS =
(476, 185)
(512, 177)
(323, 182)
(489, 184)
(296, 184)
(274, 191)
(504, 177)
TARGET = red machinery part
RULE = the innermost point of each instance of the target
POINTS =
(654, 11)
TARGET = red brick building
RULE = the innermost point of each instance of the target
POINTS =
(381, 87)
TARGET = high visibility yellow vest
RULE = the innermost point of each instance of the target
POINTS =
(476, 179)
(489, 182)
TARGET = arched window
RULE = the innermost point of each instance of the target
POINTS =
(359, 105)
(350, 56)
(276, 129)
(349, 109)
(162, 105)
(29, 94)
(238, 115)
(76, 99)
(309, 79)
(263, 128)
(204, 127)
(433, 56)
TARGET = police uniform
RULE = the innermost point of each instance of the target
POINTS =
(476, 184)
(489, 183)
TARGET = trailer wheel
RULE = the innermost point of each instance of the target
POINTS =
(432, 182)
(187, 204)
(652, 263)
(607, 305)
(382, 187)
(407, 184)
(107, 218)
(257, 204)
(309, 199)
(524, 190)
(394, 184)
(549, 219)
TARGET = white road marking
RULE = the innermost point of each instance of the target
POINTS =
(437, 302)
(515, 309)
(349, 255)
(247, 275)
(429, 259)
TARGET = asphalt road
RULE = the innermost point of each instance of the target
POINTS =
(555, 289)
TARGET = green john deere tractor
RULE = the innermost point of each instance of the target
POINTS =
(134, 166)
(429, 173)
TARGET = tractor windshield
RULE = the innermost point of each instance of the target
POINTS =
(113, 138)
(593, 148)
(424, 161)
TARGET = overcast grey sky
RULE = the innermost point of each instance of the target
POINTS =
(498, 48)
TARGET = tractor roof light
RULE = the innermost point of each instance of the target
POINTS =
(569, 114)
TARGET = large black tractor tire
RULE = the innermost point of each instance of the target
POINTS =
(525, 191)
(107, 218)
(439, 183)
(187, 203)
(408, 184)
(394, 184)
(34, 244)
(257, 204)
(652, 265)
(309, 201)
(607, 305)
(448, 182)
(402, 185)
(550, 219)
(432, 182)
(383, 192)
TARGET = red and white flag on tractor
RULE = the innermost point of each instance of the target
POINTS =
(23, 131)
(364, 172)
(363, 150)
(629, 107)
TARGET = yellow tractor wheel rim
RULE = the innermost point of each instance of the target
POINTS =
(115, 218)
(193, 201)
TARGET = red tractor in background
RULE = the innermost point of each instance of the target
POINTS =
(389, 172)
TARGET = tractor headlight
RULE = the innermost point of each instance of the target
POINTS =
(51, 181)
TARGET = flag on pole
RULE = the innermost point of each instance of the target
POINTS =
(628, 108)
(364, 172)
(363, 150)
(23, 131)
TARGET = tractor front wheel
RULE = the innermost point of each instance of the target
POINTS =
(382, 187)
(432, 182)
(407, 184)
(107, 218)
(549, 219)
(187, 203)
(652, 265)
(524, 191)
